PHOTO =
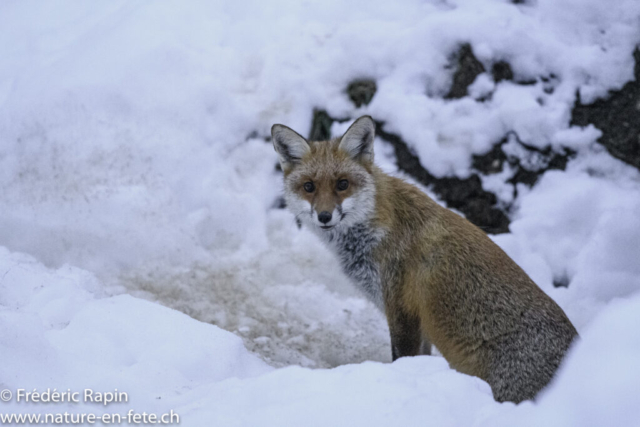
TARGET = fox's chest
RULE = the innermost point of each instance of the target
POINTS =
(355, 248)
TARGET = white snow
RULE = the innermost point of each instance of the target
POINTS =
(140, 249)
(165, 360)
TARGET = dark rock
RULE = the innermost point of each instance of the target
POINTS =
(618, 117)
(501, 71)
(525, 176)
(527, 82)
(549, 83)
(467, 69)
(561, 282)
(361, 91)
(321, 126)
(492, 161)
(465, 195)
(559, 160)
(546, 159)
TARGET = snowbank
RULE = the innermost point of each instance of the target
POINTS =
(57, 331)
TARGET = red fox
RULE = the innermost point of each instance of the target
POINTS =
(438, 278)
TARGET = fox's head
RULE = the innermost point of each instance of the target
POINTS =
(328, 184)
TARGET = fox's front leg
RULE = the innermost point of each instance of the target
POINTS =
(406, 338)
(425, 349)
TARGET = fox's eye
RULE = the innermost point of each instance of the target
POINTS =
(343, 184)
(309, 187)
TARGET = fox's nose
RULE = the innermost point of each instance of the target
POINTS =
(324, 217)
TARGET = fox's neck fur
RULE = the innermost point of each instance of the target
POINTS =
(357, 245)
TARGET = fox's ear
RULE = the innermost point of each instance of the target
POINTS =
(358, 139)
(289, 145)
